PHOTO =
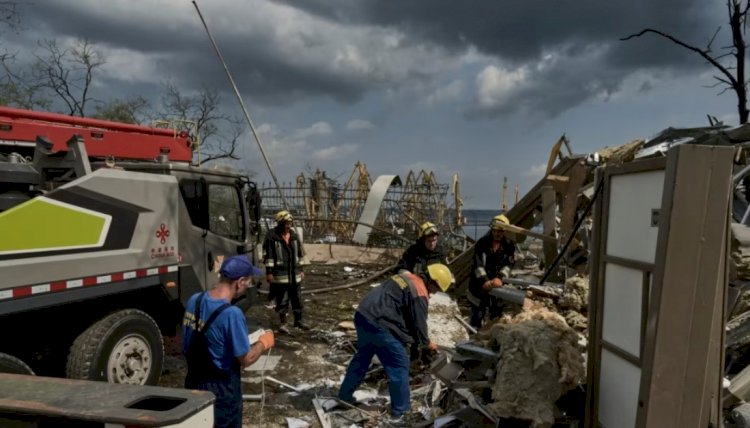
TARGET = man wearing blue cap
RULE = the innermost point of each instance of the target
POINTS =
(217, 346)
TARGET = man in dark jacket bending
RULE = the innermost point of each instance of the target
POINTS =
(390, 318)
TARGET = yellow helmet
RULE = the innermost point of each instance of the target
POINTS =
(427, 229)
(283, 215)
(440, 273)
(496, 222)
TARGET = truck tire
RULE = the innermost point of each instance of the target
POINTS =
(11, 364)
(123, 347)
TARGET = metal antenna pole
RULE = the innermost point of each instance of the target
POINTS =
(242, 104)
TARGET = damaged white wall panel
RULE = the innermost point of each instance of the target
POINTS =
(657, 295)
(683, 351)
(622, 265)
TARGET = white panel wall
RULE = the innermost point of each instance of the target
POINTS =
(631, 237)
(621, 320)
(618, 391)
(629, 230)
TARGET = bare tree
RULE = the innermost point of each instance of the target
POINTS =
(68, 73)
(200, 115)
(737, 13)
(132, 110)
(15, 88)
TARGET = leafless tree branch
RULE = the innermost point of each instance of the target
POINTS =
(68, 73)
(732, 75)
(701, 52)
(199, 114)
(724, 81)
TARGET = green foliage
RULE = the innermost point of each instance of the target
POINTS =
(18, 95)
(131, 110)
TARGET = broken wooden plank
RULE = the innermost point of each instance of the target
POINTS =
(555, 153)
(527, 232)
(549, 207)
(323, 417)
(740, 385)
(559, 182)
(284, 384)
(570, 200)
(525, 208)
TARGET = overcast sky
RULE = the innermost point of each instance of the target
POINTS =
(478, 88)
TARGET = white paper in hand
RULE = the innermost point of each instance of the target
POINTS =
(254, 336)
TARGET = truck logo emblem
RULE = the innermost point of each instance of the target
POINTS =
(162, 233)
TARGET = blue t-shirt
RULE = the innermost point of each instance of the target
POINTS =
(227, 335)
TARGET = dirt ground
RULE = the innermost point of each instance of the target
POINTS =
(309, 360)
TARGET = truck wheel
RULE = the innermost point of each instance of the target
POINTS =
(123, 347)
(11, 364)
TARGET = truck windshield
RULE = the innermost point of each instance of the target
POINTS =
(225, 211)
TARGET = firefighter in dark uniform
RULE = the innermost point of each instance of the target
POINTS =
(422, 253)
(217, 345)
(494, 256)
(388, 319)
(284, 258)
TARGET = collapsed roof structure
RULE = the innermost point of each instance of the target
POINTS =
(558, 215)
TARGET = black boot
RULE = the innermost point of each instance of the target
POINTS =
(298, 322)
(282, 327)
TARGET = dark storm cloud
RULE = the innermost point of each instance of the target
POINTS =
(520, 30)
(257, 65)
(519, 34)
(516, 34)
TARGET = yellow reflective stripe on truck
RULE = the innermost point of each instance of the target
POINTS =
(44, 224)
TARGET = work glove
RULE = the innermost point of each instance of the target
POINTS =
(421, 356)
(267, 340)
(414, 352)
(269, 278)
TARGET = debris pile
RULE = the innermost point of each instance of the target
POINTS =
(442, 325)
(539, 360)
(515, 369)
(574, 302)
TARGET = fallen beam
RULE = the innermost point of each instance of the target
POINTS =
(466, 325)
(284, 384)
(522, 231)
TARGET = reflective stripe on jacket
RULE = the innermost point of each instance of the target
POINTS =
(399, 305)
(283, 261)
(489, 264)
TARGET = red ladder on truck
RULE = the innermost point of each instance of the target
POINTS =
(103, 138)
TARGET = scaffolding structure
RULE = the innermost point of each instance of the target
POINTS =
(329, 211)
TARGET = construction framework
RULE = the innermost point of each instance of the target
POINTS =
(329, 211)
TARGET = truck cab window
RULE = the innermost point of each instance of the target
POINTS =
(194, 195)
(225, 212)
